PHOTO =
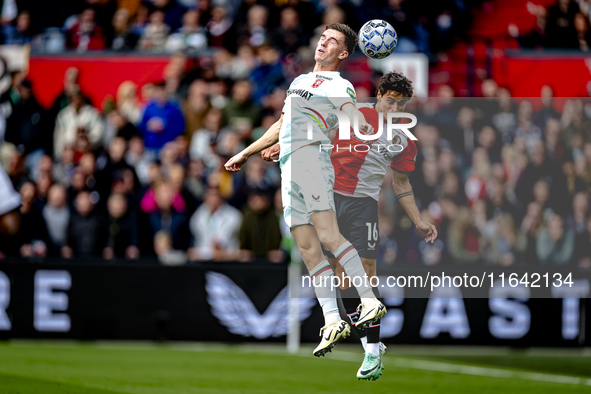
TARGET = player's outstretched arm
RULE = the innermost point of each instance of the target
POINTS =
(404, 193)
(270, 137)
(350, 110)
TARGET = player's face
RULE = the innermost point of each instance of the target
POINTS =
(331, 47)
(392, 101)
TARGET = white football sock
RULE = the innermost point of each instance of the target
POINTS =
(373, 348)
(348, 257)
(364, 343)
(327, 295)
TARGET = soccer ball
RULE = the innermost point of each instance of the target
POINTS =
(377, 39)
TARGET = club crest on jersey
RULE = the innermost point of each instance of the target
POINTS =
(317, 83)
(351, 93)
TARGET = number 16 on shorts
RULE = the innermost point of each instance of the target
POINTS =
(372, 235)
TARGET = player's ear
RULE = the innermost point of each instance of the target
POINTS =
(343, 55)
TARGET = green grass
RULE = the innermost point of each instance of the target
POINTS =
(110, 368)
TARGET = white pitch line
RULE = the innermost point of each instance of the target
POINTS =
(472, 370)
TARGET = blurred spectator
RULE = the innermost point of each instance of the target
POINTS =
(219, 29)
(33, 237)
(203, 140)
(554, 144)
(57, 217)
(526, 129)
(195, 107)
(540, 167)
(333, 14)
(464, 238)
(70, 87)
(577, 220)
(235, 67)
(132, 6)
(530, 226)
(115, 162)
(162, 120)
(505, 244)
(582, 255)
(488, 140)
(76, 116)
(215, 226)
(21, 33)
(141, 19)
(176, 177)
(165, 217)
(260, 235)
(242, 113)
(127, 102)
(388, 252)
(139, 159)
(86, 34)
(555, 244)
(118, 126)
(85, 231)
(254, 32)
(122, 238)
(194, 181)
(506, 119)
(538, 37)
(575, 123)
(28, 126)
(154, 35)
(416, 251)
(548, 111)
(475, 186)
(172, 10)
(189, 36)
(269, 74)
(290, 35)
(63, 170)
(560, 28)
(121, 37)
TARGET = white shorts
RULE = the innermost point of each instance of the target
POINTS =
(307, 181)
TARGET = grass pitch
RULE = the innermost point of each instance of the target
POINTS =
(111, 368)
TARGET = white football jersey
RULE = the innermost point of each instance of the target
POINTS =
(315, 93)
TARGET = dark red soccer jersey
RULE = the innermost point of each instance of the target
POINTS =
(361, 166)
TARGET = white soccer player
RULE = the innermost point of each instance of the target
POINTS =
(307, 178)
(360, 168)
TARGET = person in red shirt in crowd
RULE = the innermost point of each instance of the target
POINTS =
(86, 34)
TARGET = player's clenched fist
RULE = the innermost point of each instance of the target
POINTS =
(236, 162)
(271, 153)
(366, 129)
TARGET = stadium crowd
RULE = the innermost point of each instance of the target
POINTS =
(507, 182)
(171, 25)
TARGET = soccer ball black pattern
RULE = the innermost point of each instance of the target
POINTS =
(377, 39)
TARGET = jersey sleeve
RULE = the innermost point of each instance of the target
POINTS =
(405, 161)
(341, 93)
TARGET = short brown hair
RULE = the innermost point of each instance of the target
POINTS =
(395, 82)
(350, 35)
